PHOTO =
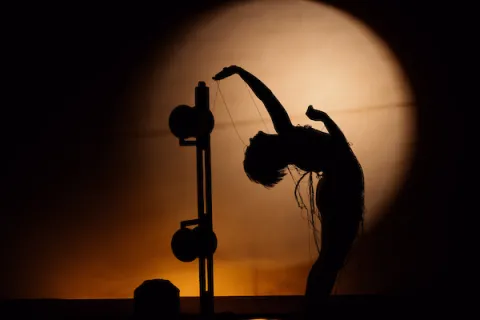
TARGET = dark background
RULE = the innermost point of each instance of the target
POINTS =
(70, 73)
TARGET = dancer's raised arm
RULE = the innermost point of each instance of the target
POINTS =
(281, 120)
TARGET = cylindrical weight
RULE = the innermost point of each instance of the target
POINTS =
(184, 245)
(188, 245)
(189, 122)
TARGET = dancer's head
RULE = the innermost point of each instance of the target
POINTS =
(264, 161)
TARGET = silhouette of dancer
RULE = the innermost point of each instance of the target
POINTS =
(339, 193)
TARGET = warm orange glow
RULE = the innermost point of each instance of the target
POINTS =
(307, 53)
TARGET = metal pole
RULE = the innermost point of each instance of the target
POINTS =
(204, 190)
(209, 223)
(201, 206)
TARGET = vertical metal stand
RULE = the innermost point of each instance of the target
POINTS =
(207, 240)
(204, 193)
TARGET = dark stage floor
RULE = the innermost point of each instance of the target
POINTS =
(270, 307)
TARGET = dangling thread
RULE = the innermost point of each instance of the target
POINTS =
(258, 110)
(312, 212)
(215, 99)
(229, 114)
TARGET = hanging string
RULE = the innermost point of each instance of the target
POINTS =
(311, 210)
(258, 110)
(229, 114)
(215, 99)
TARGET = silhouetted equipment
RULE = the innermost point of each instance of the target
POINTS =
(156, 299)
(198, 122)
(190, 244)
(184, 246)
(190, 122)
